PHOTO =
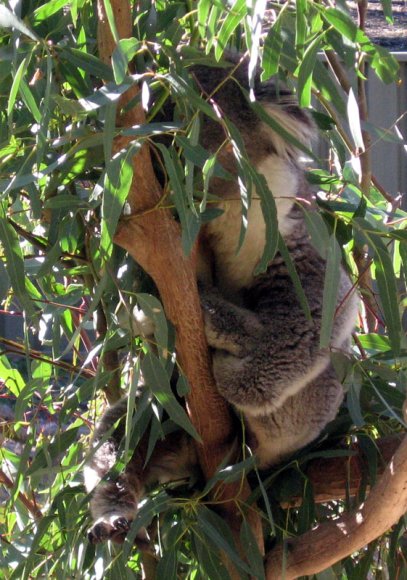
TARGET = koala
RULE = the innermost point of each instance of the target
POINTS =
(114, 503)
(267, 361)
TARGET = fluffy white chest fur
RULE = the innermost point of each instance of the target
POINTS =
(237, 266)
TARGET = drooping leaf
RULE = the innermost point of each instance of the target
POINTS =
(331, 286)
(22, 287)
(305, 73)
(216, 529)
(354, 121)
(157, 380)
(251, 548)
(118, 179)
(9, 20)
(235, 15)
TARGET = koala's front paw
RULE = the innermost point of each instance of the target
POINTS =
(114, 528)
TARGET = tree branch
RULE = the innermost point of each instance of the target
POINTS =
(328, 543)
(338, 478)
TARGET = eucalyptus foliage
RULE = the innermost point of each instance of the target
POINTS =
(62, 195)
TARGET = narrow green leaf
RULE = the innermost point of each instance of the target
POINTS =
(192, 137)
(167, 565)
(331, 286)
(385, 65)
(251, 549)
(203, 12)
(354, 121)
(189, 219)
(215, 14)
(110, 111)
(154, 506)
(317, 230)
(157, 380)
(353, 401)
(11, 377)
(387, 284)
(282, 248)
(207, 172)
(387, 10)
(230, 473)
(187, 93)
(118, 179)
(306, 512)
(111, 20)
(306, 70)
(47, 10)
(119, 65)
(344, 24)
(235, 15)
(87, 62)
(268, 207)
(254, 23)
(10, 20)
(16, 84)
(66, 201)
(29, 100)
(386, 281)
(376, 342)
(301, 20)
(208, 558)
(272, 50)
(124, 52)
(200, 156)
(4, 282)
(15, 262)
(216, 529)
(154, 310)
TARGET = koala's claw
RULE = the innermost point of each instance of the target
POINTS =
(115, 530)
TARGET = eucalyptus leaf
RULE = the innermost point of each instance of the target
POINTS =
(331, 286)
(9, 20)
(158, 382)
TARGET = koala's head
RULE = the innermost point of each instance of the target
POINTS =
(227, 89)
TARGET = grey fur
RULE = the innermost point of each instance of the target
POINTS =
(114, 503)
(266, 356)
(266, 359)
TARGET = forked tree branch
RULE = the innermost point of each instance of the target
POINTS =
(338, 478)
(328, 543)
(153, 239)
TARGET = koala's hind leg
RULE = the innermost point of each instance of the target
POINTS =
(298, 421)
(114, 503)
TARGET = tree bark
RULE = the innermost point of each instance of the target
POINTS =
(328, 543)
(152, 238)
(338, 478)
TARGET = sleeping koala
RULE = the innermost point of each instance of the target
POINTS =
(266, 357)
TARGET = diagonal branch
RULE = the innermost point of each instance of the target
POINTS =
(328, 543)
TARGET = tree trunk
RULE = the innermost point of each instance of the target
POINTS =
(152, 238)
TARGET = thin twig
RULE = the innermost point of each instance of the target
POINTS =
(19, 349)
(29, 504)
